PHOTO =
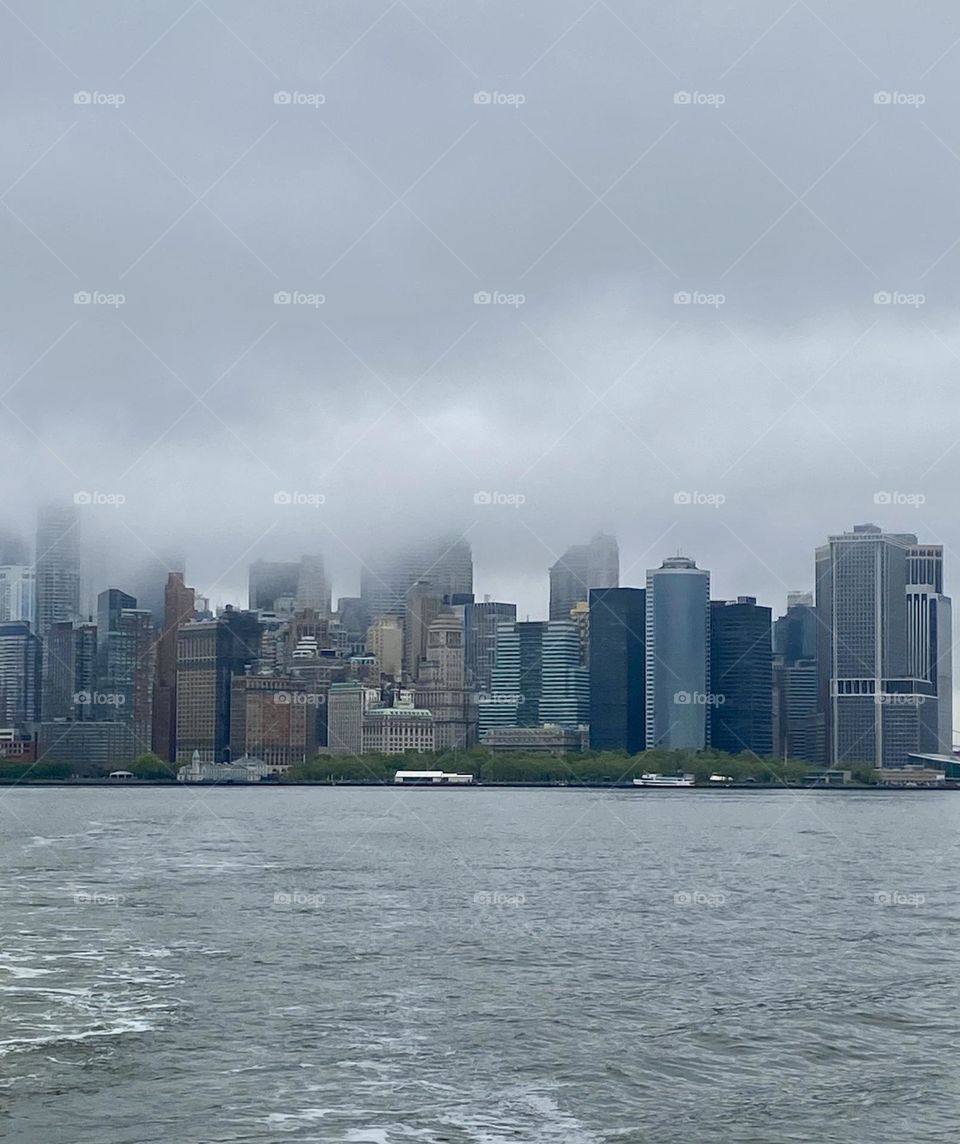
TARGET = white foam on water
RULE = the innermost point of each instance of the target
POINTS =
(62, 1036)
(307, 1114)
(24, 971)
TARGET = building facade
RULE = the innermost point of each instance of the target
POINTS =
(617, 659)
(582, 567)
(741, 677)
(677, 655)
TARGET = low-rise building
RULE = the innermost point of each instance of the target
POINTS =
(547, 739)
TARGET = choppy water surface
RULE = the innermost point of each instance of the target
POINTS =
(560, 967)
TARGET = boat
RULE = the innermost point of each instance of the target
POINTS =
(665, 780)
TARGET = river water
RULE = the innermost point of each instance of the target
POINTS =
(378, 966)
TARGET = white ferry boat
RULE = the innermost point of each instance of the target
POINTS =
(665, 780)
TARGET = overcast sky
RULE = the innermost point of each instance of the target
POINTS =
(778, 163)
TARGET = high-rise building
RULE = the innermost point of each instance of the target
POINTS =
(313, 587)
(677, 654)
(538, 677)
(797, 724)
(930, 634)
(271, 581)
(876, 688)
(17, 594)
(269, 719)
(445, 562)
(19, 677)
(565, 686)
(385, 643)
(178, 609)
(209, 654)
(741, 678)
(423, 605)
(69, 672)
(481, 621)
(57, 566)
(346, 705)
(126, 661)
(441, 683)
(618, 669)
(516, 679)
(582, 567)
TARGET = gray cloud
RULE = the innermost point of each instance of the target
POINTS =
(599, 197)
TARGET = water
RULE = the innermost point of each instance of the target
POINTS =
(477, 967)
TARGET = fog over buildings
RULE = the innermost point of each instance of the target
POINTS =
(521, 273)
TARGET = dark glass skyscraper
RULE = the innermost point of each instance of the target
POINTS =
(617, 669)
(270, 580)
(741, 680)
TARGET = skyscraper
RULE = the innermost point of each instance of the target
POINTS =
(441, 682)
(741, 679)
(580, 568)
(481, 621)
(565, 679)
(69, 672)
(178, 609)
(445, 562)
(516, 679)
(313, 587)
(875, 687)
(930, 634)
(797, 725)
(618, 669)
(125, 663)
(17, 593)
(538, 677)
(19, 677)
(209, 654)
(677, 654)
(271, 581)
(423, 604)
(385, 643)
(57, 566)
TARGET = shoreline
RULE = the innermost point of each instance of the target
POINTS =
(740, 788)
